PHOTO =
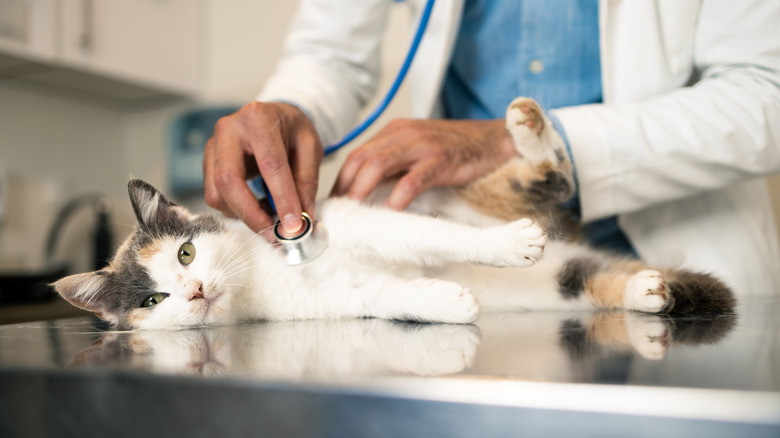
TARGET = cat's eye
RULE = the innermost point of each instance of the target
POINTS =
(186, 254)
(154, 299)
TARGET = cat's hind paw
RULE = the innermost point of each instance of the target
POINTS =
(533, 134)
(524, 118)
(520, 244)
(646, 291)
(450, 303)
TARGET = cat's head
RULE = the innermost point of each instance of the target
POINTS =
(176, 269)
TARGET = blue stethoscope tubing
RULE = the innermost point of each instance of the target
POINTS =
(381, 106)
(385, 102)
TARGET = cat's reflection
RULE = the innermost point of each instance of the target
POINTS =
(317, 349)
(647, 335)
(599, 346)
(535, 345)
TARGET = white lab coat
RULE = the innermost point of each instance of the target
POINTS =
(689, 124)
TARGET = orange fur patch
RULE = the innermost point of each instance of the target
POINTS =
(138, 345)
(609, 328)
(503, 194)
(136, 316)
(606, 288)
(149, 251)
(495, 195)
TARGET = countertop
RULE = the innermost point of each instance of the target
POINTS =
(608, 373)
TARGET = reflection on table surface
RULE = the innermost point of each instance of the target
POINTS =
(719, 352)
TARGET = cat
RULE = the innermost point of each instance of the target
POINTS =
(180, 269)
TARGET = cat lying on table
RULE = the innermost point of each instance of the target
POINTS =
(183, 270)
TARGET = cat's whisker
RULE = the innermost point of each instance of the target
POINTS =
(239, 270)
(256, 235)
(246, 286)
(230, 262)
(235, 263)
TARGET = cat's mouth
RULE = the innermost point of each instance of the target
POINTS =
(207, 306)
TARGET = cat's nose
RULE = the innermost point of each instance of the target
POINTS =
(195, 290)
(194, 295)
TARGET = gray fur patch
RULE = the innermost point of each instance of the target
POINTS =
(573, 276)
(554, 188)
(559, 156)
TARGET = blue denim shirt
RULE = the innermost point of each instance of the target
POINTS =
(541, 49)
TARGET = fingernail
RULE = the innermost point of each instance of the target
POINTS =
(292, 223)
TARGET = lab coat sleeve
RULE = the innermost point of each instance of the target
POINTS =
(330, 63)
(724, 128)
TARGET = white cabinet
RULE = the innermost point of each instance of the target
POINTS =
(27, 28)
(150, 41)
(153, 45)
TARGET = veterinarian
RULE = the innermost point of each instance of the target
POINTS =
(670, 108)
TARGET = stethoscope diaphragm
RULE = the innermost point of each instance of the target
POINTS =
(307, 245)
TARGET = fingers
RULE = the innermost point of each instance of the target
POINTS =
(225, 176)
(272, 162)
(305, 162)
(377, 168)
(279, 142)
(382, 157)
(411, 185)
(425, 154)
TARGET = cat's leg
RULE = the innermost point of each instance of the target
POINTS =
(614, 284)
(538, 180)
(388, 296)
(630, 284)
(404, 238)
(427, 300)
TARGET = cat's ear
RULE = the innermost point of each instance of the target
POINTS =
(87, 291)
(152, 209)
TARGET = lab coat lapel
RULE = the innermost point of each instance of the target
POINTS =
(430, 65)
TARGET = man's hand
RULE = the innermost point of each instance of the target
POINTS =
(279, 142)
(425, 154)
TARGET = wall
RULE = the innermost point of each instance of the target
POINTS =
(774, 191)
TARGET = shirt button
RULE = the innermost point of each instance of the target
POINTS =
(536, 66)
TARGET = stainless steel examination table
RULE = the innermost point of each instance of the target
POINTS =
(535, 374)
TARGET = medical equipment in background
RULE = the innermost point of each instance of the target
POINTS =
(313, 240)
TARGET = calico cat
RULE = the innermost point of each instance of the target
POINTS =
(179, 269)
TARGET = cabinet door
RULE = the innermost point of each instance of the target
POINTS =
(151, 42)
(27, 28)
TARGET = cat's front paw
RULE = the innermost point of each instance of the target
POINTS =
(648, 334)
(518, 244)
(646, 291)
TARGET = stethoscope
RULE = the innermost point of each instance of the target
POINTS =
(313, 239)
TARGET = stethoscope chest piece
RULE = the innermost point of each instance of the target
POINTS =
(307, 245)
